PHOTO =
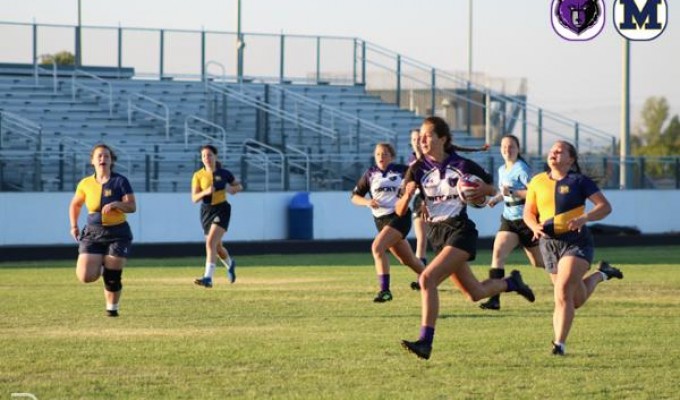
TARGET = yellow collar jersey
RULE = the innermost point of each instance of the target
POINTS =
(98, 195)
(558, 202)
(219, 178)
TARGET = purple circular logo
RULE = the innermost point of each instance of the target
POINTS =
(577, 20)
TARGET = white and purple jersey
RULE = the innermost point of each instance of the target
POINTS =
(383, 187)
(516, 178)
(437, 184)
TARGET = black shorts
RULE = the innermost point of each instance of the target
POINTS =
(518, 227)
(573, 244)
(458, 232)
(418, 209)
(402, 224)
(113, 240)
(219, 214)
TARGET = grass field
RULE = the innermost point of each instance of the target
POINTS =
(305, 327)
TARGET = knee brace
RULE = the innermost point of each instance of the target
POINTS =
(112, 280)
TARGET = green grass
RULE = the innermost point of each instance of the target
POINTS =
(300, 327)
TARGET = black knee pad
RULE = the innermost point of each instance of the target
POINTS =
(112, 281)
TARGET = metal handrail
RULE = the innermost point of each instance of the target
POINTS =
(268, 108)
(36, 73)
(75, 84)
(27, 128)
(251, 146)
(188, 130)
(387, 134)
(134, 107)
(292, 163)
(208, 75)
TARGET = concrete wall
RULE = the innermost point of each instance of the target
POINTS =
(42, 218)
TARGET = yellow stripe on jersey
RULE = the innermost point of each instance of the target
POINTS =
(97, 195)
(204, 179)
(558, 202)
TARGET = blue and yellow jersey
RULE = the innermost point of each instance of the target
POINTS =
(558, 202)
(97, 196)
(219, 178)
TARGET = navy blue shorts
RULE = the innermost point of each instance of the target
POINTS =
(219, 214)
(113, 240)
(402, 224)
(579, 245)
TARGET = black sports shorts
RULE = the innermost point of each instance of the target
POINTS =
(518, 227)
(402, 224)
(113, 240)
(218, 214)
(458, 232)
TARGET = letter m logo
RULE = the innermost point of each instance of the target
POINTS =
(640, 19)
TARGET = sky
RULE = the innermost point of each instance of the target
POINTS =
(510, 40)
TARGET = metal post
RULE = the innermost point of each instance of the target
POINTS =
(576, 136)
(120, 50)
(78, 36)
(282, 58)
(239, 43)
(624, 147)
(540, 132)
(318, 59)
(469, 41)
(468, 108)
(524, 126)
(203, 55)
(363, 62)
(354, 61)
(434, 84)
(162, 45)
(398, 97)
(35, 44)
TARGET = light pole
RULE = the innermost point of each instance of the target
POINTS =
(239, 43)
(79, 36)
(470, 40)
(624, 146)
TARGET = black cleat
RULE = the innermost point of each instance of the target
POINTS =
(415, 286)
(111, 313)
(522, 288)
(491, 304)
(610, 271)
(205, 282)
(383, 296)
(557, 350)
(420, 348)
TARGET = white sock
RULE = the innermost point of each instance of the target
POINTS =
(209, 270)
(604, 276)
(562, 345)
(111, 307)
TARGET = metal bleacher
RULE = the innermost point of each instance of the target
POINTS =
(274, 136)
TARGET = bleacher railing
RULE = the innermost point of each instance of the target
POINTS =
(94, 89)
(136, 104)
(318, 59)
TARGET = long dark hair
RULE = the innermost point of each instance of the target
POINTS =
(213, 150)
(114, 158)
(442, 130)
(574, 154)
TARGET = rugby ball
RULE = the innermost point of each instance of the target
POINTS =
(465, 185)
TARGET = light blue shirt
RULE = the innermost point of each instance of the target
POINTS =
(516, 178)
